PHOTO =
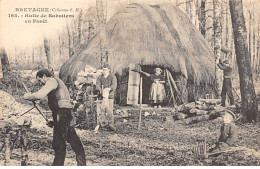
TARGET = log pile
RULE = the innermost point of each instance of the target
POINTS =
(10, 109)
(201, 110)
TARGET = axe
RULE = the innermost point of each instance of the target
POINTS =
(34, 104)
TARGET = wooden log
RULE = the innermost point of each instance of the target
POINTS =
(140, 108)
(196, 119)
(211, 101)
(185, 108)
(198, 112)
(181, 116)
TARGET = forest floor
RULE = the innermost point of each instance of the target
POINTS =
(160, 141)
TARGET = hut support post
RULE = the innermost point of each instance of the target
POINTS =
(169, 82)
(175, 86)
(141, 97)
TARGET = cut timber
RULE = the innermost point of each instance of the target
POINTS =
(181, 116)
(196, 119)
(198, 112)
(185, 108)
(211, 101)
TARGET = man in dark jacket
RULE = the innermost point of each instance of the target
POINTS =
(227, 84)
(107, 83)
(60, 105)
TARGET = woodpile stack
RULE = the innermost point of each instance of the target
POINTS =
(10, 110)
(201, 110)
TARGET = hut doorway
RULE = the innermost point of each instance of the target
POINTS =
(134, 82)
(147, 82)
(173, 94)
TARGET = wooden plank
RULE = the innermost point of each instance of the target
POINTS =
(133, 86)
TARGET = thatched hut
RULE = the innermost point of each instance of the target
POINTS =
(151, 35)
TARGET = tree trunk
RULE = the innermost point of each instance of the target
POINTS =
(102, 32)
(227, 25)
(79, 27)
(203, 18)
(249, 102)
(193, 15)
(250, 37)
(69, 41)
(33, 56)
(47, 52)
(258, 47)
(217, 43)
(4, 61)
(254, 43)
(60, 46)
(90, 30)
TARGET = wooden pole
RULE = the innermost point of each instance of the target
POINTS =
(141, 97)
(167, 74)
(175, 86)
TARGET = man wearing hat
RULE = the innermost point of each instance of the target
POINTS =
(227, 84)
(228, 132)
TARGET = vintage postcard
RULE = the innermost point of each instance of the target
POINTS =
(129, 82)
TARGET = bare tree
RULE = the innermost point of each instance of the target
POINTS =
(248, 95)
(217, 43)
(47, 51)
(69, 41)
(102, 32)
(203, 18)
(4, 61)
(79, 27)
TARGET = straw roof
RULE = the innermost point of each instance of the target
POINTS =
(149, 35)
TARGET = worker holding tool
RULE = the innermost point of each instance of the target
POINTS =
(227, 84)
(60, 105)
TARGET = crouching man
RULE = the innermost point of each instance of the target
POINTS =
(228, 133)
(59, 104)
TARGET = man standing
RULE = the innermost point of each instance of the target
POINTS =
(227, 84)
(59, 104)
(107, 83)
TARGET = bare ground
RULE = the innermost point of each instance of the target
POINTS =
(157, 143)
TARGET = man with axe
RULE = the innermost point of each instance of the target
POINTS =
(60, 105)
(227, 82)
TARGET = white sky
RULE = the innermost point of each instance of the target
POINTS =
(15, 32)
